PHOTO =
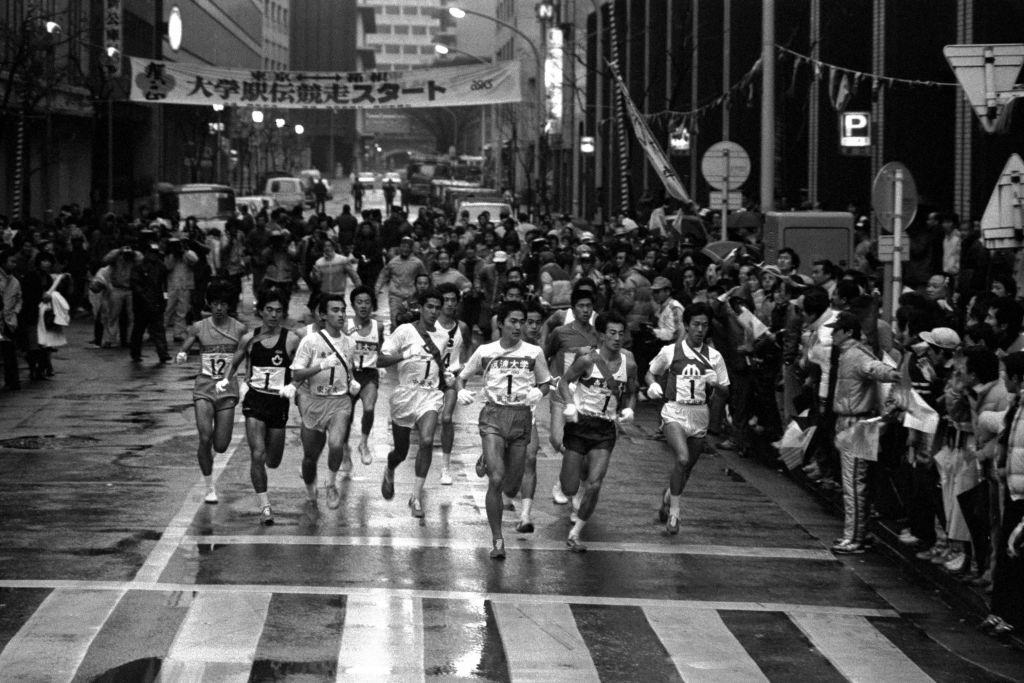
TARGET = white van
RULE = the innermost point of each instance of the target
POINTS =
(285, 192)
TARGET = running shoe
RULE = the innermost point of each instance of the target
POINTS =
(333, 497)
(956, 562)
(481, 467)
(417, 508)
(446, 477)
(266, 516)
(557, 495)
(574, 545)
(847, 547)
(498, 551)
(907, 537)
(365, 456)
(672, 525)
(524, 526)
(387, 485)
(211, 497)
(663, 510)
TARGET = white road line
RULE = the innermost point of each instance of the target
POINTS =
(178, 527)
(857, 649)
(453, 595)
(515, 544)
(53, 642)
(382, 639)
(217, 639)
(701, 646)
(542, 643)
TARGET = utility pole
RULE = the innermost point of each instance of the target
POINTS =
(768, 106)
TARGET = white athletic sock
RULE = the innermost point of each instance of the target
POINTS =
(417, 487)
(262, 500)
(577, 498)
(577, 527)
(505, 499)
(527, 504)
(447, 459)
(208, 478)
(673, 504)
(332, 478)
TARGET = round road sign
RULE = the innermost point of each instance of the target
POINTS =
(725, 165)
(882, 196)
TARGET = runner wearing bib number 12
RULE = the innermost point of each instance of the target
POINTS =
(322, 373)
(268, 351)
(218, 337)
(368, 336)
(604, 394)
(417, 399)
(694, 372)
(516, 377)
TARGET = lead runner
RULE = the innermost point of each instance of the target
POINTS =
(515, 377)
(693, 371)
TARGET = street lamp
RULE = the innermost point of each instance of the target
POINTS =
(459, 13)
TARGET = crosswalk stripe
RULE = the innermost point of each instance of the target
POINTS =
(461, 640)
(483, 541)
(218, 638)
(382, 639)
(280, 654)
(543, 643)
(701, 646)
(857, 649)
(55, 639)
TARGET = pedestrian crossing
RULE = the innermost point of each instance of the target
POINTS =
(258, 634)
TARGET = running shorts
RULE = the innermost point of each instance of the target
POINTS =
(322, 413)
(206, 390)
(270, 409)
(693, 419)
(589, 434)
(409, 404)
(367, 376)
(511, 423)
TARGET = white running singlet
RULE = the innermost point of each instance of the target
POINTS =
(366, 346)
(509, 374)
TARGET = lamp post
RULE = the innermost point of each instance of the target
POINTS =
(219, 127)
(459, 13)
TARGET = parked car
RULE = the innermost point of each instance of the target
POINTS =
(211, 204)
(285, 192)
(477, 208)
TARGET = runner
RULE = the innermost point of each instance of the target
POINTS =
(693, 372)
(515, 377)
(453, 355)
(367, 335)
(218, 337)
(322, 372)
(419, 396)
(268, 351)
(561, 347)
(605, 393)
(531, 335)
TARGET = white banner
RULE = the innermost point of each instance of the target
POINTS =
(655, 154)
(449, 86)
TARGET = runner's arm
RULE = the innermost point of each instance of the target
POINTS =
(578, 369)
(240, 353)
(471, 367)
(629, 392)
(191, 339)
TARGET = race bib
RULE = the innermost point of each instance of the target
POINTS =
(267, 378)
(215, 364)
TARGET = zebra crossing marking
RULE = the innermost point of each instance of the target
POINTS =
(701, 646)
(542, 639)
(382, 639)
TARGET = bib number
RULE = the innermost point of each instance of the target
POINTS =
(267, 379)
(215, 364)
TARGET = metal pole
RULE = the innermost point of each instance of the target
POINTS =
(19, 167)
(216, 152)
(726, 77)
(694, 94)
(768, 106)
(110, 154)
(897, 242)
(725, 198)
(620, 117)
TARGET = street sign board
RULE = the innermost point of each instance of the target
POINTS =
(855, 129)
(725, 165)
(985, 72)
(1002, 221)
(716, 199)
(882, 196)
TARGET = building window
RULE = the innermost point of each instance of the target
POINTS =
(409, 49)
(432, 30)
(383, 28)
(392, 9)
(426, 49)
(378, 49)
(409, 9)
(401, 30)
(392, 49)
(419, 30)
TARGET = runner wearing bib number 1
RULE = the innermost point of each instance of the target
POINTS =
(218, 337)
(453, 355)
(694, 372)
(368, 336)
(515, 378)
(322, 373)
(417, 399)
(268, 351)
(604, 394)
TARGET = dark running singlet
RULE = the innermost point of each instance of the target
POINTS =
(269, 368)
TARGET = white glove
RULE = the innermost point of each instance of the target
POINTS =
(533, 396)
(354, 387)
(449, 378)
(180, 358)
(287, 391)
(222, 385)
(330, 362)
(571, 412)
(655, 391)
(466, 397)
(626, 415)
(413, 352)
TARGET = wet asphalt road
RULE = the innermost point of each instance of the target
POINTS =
(112, 568)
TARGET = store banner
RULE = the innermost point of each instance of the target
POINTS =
(449, 86)
(655, 154)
